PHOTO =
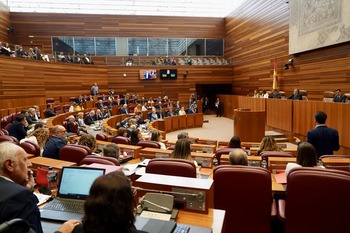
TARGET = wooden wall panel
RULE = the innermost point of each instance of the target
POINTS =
(45, 25)
(257, 32)
(279, 114)
(4, 22)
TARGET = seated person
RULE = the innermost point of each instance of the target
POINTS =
(182, 111)
(153, 116)
(157, 137)
(48, 112)
(275, 94)
(295, 95)
(238, 157)
(268, 144)
(129, 62)
(103, 215)
(111, 150)
(135, 136)
(339, 97)
(256, 94)
(235, 142)
(182, 150)
(70, 125)
(56, 142)
(89, 141)
(18, 128)
(306, 157)
(90, 118)
(183, 135)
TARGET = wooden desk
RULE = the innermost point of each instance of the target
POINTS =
(279, 163)
(123, 147)
(277, 188)
(337, 163)
(47, 162)
(254, 161)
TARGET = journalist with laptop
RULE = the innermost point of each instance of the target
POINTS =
(18, 201)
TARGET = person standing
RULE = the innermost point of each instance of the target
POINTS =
(218, 107)
(324, 139)
(94, 89)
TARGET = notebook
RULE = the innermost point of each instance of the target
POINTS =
(73, 190)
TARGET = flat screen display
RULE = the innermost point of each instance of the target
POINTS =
(168, 74)
(148, 74)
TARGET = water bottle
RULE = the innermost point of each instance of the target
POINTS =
(52, 179)
(263, 163)
(215, 161)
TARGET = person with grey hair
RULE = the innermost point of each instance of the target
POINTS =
(18, 201)
(238, 157)
(182, 135)
(111, 150)
(56, 142)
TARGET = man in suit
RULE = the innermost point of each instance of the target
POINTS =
(124, 109)
(56, 142)
(48, 111)
(295, 95)
(90, 118)
(275, 94)
(18, 128)
(18, 200)
(339, 97)
(324, 139)
(218, 107)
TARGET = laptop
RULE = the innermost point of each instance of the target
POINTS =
(74, 188)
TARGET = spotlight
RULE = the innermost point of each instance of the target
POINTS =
(10, 29)
(289, 63)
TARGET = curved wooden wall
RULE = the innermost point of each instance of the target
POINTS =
(258, 31)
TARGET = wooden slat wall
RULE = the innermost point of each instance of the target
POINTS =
(258, 32)
(45, 25)
(25, 82)
(4, 22)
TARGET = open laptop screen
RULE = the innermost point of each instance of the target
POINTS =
(76, 181)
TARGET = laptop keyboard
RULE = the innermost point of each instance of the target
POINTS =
(66, 206)
(181, 228)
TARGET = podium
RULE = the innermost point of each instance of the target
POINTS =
(248, 125)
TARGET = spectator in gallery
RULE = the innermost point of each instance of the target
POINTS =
(86, 60)
(173, 61)
(339, 97)
(129, 61)
(295, 96)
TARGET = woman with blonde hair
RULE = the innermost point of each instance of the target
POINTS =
(268, 144)
(39, 136)
(138, 108)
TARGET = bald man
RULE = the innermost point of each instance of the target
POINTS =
(238, 157)
(56, 142)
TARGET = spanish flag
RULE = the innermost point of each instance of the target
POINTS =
(275, 76)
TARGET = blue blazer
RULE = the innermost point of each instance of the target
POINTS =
(324, 139)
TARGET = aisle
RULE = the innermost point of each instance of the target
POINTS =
(217, 128)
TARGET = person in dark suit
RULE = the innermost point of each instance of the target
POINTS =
(295, 95)
(339, 97)
(124, 109)
(98, 115)
(275, 94)
(99, 104)
(324, 139)
(55, 143)
(18, 200)
(18, 128)
(90, 118)
(48, 111)
(218, 107)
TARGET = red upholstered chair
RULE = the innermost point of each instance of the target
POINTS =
(73, 153)
(88, 161)
(57, 109)
(66, 107)
(88, 150)
(7, 138)
(50, 100)
(31, 148)
(148, 144)
(317, 201)
(172, 167)
(109, 159)
(5, 131)
(223, 151)
(334, 156)
(1, 133)
(101, 137)
(121, 140)
(245, 193)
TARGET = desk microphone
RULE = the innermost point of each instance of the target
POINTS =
(198, 195)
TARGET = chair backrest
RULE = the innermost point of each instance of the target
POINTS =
(50, 100)
(172, 167)
(334, 156)
(317, 201)
(121, 140)
(88, 161)
(223, 151)
(73, 153)
(8, 138)
(57, 109)
(246, 196)
(66, 107)
(5, 131)
(109, 159)
(101, 137)
(31, 148)
(148, 144)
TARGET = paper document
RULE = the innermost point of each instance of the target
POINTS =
(155, 215)
(42, 198)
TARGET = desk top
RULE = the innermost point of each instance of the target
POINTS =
(55, 163)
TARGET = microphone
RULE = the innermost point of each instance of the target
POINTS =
(199, 195)
(18, 224)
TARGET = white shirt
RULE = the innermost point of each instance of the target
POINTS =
(291, 166)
